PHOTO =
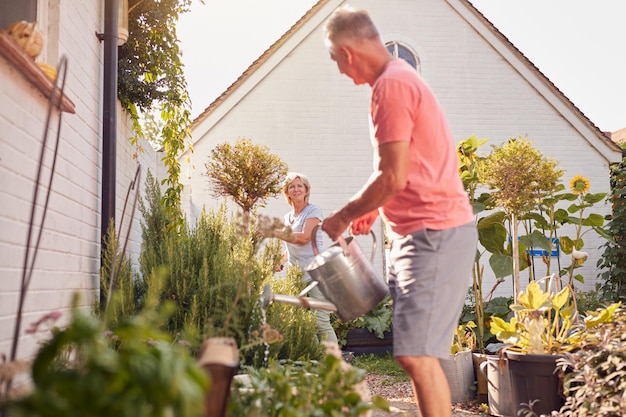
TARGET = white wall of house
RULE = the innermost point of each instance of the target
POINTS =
(316, 120)
(68, 259)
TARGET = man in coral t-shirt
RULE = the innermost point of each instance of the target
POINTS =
(417, 190)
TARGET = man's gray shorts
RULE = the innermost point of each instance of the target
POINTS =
(430, 274)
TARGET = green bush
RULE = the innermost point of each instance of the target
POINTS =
(117, 280)
(595, 378)
(302, 389)
(214, 273)
(613, 261)
(377, 321)
(296, 324)
(131, 369)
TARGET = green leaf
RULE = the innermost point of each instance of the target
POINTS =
(594, 198)
(493, 238)
(593, 219)
(568, 196)
(380, 403)
(574, 208)
(477, 207)
(561, 216)
(604, 234)
(536, 240)
(502, 265)
(560, 299)
(566, 244)
(540, 221)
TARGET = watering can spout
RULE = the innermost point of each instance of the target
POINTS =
(268, 297)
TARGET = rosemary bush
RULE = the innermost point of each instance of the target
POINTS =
(296, 324)
(214, 273)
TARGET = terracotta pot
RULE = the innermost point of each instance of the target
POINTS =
(481, 379)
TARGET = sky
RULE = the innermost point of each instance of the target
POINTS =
(580, 45)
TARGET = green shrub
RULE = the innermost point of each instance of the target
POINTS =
(377, 321)
(589, 300)
(117, 280)
(613, 262)
(296, 324)
(595, 380)
(214, 273)
(131, 369)
(302, 389)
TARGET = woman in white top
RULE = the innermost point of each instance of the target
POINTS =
(299, 250)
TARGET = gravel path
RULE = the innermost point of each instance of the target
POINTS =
(400, 397)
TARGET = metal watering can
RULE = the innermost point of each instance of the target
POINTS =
(345, 277)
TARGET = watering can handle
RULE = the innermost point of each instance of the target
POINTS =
(342, 243)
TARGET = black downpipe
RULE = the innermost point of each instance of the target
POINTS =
(109, 119)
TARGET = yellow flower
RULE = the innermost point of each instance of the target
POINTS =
(579, 184)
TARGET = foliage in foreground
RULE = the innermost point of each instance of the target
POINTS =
(303, 389)
(131, 370)
(595, 381)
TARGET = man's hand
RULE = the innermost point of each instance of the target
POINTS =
(363, 225)
(334, 225)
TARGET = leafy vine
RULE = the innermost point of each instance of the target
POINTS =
(151, 78)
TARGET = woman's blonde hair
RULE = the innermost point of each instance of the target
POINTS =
(291, 177)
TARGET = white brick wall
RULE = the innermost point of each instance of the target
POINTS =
(316, 120)
(68, 259)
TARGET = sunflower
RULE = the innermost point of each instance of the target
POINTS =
(579, 184)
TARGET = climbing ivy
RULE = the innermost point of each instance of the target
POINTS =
(613, 260)
(151, 79)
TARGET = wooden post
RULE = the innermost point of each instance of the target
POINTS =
(219, 356)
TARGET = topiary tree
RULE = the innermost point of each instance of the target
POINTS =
(520, 177)
(245, 172)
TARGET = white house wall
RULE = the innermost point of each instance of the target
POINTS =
(315, 119)
(68, 259)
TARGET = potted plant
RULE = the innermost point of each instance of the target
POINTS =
(595, 381)
(370, 333)
(130, 370)
(459, 368)
(545, 326)
(520, 177)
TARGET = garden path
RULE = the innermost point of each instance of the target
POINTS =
(408, 409)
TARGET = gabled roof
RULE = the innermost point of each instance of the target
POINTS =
(619, 136)
(259, 61)
(472, 15)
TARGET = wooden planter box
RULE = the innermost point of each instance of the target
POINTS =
(362, 341)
